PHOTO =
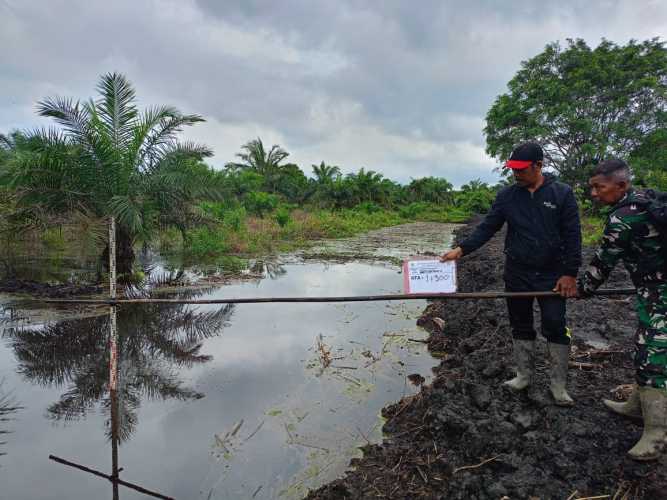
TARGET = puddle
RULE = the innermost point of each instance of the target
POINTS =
(246, 401)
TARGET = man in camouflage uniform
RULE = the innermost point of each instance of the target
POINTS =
(631, 235)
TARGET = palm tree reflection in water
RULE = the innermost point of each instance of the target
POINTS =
(7, 407)
(154, 340)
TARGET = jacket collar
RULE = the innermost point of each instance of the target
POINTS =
(549, 178)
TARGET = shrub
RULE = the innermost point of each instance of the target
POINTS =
(283, 217)
(205, 241)
(368, 207)
(259, 202)
(235, 219)
(414, 209)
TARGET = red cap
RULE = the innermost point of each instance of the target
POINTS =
(525, 155)
(518, 164)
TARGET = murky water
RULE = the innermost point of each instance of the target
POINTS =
(247, 401)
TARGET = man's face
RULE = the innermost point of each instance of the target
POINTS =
(606, 190)
(527, 176)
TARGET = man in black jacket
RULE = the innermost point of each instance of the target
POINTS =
(543, 253)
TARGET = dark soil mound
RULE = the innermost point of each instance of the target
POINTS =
(466, 437)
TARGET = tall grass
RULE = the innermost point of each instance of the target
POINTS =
(285, 229)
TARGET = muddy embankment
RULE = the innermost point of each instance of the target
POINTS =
(467, 437)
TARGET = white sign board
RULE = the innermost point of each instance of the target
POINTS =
(429, 276)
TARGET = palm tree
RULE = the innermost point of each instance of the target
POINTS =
(474, 185)
(367, 185)
(109, 159)
(430, 189)
(475, 196)
(256, 159)
(8, 142)
(322, 186)
(325, 174)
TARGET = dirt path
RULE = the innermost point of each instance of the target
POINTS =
(465, 437)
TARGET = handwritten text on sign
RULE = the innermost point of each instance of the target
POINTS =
(429, 276)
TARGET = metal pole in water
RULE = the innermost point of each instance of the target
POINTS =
(113, 358)
(112, 258)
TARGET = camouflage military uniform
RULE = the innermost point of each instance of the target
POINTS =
(630, 236)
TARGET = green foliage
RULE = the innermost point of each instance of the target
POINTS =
(259, 202)
(339, 193)
(582, 104)
(350, 222)
(235, 219)
(230, 264)
(475, 197)
(240, 182)
(368, 207)
(367, 186)
(255, 158)
(170, 241)
(53, 239)
(412, 210)
(282, 216)
(430, 189)
(586, 205)
(291, 183)
(591, 230)
(649, 161)
(325, 174)
(214, 210)
(206, 242)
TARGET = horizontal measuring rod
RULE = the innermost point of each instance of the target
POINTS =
(358, 298)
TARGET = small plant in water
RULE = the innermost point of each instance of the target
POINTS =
(324, 352)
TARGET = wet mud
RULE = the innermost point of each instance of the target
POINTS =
(387, 246)
(464, 436)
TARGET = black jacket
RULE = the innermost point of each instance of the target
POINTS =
(543, 228)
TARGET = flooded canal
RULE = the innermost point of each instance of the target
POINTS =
(216, 402)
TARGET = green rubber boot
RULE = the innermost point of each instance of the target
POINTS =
(654, 437)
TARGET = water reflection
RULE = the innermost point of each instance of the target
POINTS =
(154, 341)
(8, 407)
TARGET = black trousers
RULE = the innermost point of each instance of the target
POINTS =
(552, 309)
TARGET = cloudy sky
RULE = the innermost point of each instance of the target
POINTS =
(394, 86)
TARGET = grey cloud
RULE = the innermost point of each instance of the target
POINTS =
(306, 73)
